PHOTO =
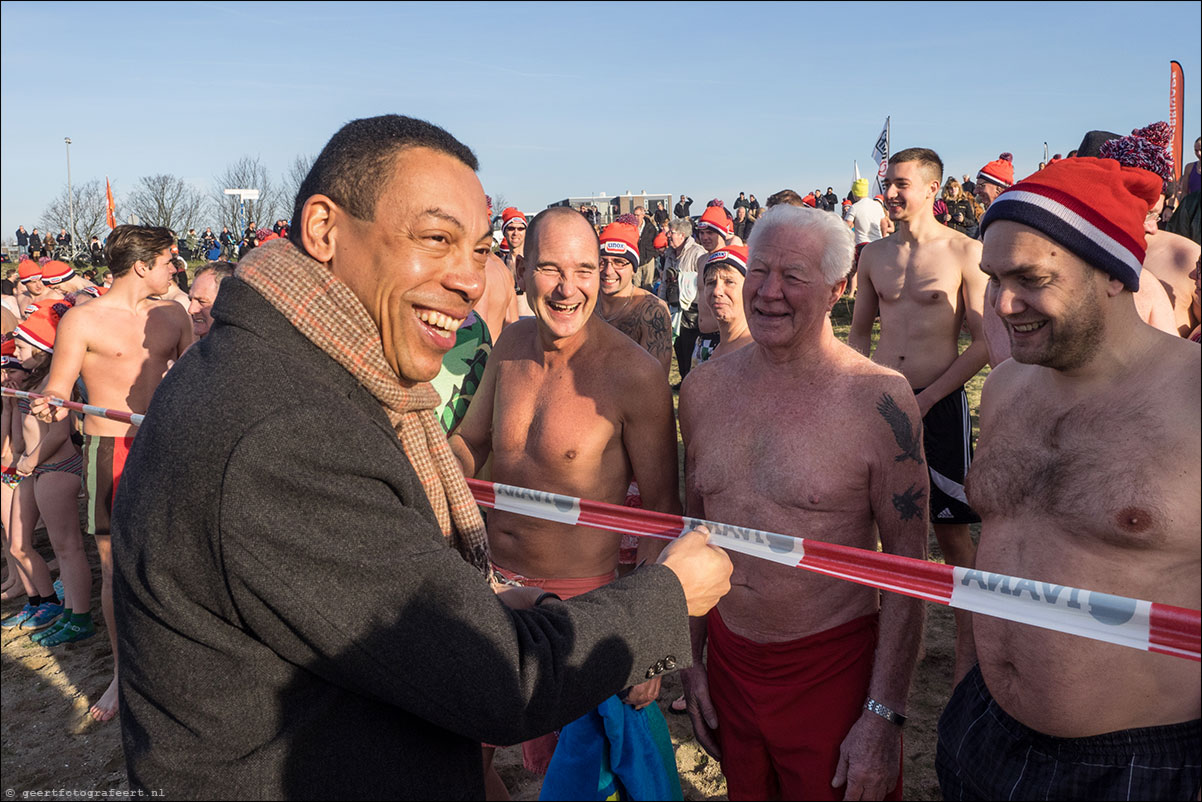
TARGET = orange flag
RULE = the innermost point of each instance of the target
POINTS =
(111, 216)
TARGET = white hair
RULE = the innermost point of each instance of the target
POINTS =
(832, 238)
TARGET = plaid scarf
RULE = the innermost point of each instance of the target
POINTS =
(329, 314)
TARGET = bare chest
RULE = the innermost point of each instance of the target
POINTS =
(554, 418)
(765, 473)
(919, 278)
(1100, 475)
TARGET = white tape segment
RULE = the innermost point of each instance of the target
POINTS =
(537, 504)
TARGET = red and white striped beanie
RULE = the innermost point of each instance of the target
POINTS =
(1094, 207)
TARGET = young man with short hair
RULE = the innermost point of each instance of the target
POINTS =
(121, 344)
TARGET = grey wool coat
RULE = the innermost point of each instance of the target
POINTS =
(291, 622)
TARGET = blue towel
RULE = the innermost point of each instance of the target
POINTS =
(614, 752)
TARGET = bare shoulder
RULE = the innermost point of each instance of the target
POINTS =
(1179, 364)
(1169, 252)
(625, 360)
(715, 378)
(1005, 380)
(516, 338)
(867, 382)
(647, 301)
(879, 252)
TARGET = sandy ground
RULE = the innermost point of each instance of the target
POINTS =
(49, 743)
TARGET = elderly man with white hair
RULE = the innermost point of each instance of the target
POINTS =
(803, 694)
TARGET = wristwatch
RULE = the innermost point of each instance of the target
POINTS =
(886, 713)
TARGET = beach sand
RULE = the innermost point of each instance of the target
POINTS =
(49, 743)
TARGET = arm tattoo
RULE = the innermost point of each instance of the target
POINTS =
(907, 503)
(903, 430)
(657, 325)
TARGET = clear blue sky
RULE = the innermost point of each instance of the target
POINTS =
(573, 99)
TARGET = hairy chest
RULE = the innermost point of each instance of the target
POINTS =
(1092, 471)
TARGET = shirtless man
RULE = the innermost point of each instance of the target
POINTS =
(807, 676)
(725, 272)
(121, 344)
(568, 404)
(631, 310)
(60, 277)
(926, 284)
(496, 304)
(1072, 486)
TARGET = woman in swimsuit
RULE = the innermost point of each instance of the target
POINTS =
(49, 470)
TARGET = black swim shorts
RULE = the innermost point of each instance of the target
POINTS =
(984, 753)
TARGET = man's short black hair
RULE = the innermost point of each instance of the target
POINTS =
(353, 166)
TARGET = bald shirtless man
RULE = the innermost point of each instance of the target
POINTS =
(569, 404)
(630, 309)
(1073, 488)
(805, 686)
(926, 284)
(121, 344)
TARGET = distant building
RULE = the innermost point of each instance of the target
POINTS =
(610, 206)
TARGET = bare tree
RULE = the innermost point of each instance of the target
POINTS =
(165, 200)
(91, 207)
(499, 204)
(292, 182)
(246, 173)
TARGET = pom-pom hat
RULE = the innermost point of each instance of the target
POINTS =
(56, 272)
(1000, 171)
(1147, 148)
(734, 256)
(8, 351)
(40, 327)
(714, 217)
(28, 271)
(1094, 207)
(621, 239)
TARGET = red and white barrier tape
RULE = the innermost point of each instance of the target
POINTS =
(1135, 623)
(1138, 624)
(112, 414)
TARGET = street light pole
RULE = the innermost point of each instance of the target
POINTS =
(70, 195)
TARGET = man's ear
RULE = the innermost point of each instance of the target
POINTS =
(319, 220)
(836, 293)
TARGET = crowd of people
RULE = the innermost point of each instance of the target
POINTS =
(315, 586)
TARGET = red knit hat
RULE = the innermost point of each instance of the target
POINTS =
(661, 240)
(56, 272)
(8, 351)
(39, 328)
(716, 218)
(728, 256)
(810, 200)
(1093, 207)
(621, 239)
(512, 213)
(28, 270)
(1000, 171)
